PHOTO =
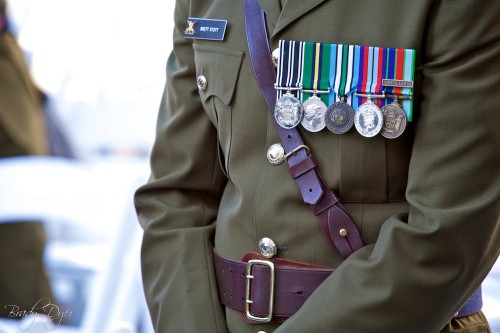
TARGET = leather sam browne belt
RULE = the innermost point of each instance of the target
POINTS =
(273, 290)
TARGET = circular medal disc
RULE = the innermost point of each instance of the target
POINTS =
(339, 117)
(314, 114)
(368, 119)
(394, 121)
(288, 111)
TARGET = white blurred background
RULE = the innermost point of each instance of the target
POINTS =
(102, 65)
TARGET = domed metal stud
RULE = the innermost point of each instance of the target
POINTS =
(276, 154)
(276, 57)
(202, 82)
(267, 247)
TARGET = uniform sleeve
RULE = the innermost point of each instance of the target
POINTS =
(177, 208)
(425, 264)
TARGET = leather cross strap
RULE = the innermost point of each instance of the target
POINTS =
(334, 220)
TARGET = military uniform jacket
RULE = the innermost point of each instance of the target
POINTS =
(426, 203)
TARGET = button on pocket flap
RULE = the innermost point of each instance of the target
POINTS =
(218, 68)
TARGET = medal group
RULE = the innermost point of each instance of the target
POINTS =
(343, 86)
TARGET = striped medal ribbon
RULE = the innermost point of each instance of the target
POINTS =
(315, 81)
(288, 111)
(369, 118)
(398, 83)
(399, 76)
(339, 117)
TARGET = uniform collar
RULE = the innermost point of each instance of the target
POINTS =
(293, 9)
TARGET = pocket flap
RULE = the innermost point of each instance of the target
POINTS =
(221, 67)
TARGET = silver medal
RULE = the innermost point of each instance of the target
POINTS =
(394, 121)
(339, 117)
(314, 114)
(368, 119)
(288, 111)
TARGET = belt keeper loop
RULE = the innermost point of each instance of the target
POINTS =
(302, 167)
(328, 200)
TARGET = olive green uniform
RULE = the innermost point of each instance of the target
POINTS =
(426, 203)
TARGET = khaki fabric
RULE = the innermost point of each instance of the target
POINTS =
(475, 323)
(427, 203)
(22, 126)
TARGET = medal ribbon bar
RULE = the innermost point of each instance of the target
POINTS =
(365, 69)
(316, 70)
(399, 76)
(289, 74)
(343, 76)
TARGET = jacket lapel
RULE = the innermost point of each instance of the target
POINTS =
(272, 8)
(292, 10)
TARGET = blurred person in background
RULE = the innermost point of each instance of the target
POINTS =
(23, 131)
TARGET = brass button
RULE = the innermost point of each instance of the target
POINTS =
(343, 232)
(202, 82)
(276, 154)
(267, 247)
(276, 57)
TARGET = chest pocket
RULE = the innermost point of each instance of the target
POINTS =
(219, 67)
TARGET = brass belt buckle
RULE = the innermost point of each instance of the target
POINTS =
(248, 301)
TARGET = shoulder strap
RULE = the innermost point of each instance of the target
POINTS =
(334, 220)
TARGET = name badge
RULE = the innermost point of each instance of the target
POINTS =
(198, 28)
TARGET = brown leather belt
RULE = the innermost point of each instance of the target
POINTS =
(266, 290)
(272, 290)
